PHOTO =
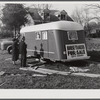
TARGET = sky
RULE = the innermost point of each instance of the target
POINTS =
(67, 5)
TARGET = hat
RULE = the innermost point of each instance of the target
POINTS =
(23, 38)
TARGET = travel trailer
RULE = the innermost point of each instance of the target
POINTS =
(60, 40)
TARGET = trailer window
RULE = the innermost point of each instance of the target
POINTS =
(72, 35)
(44, 35)
(38, 35)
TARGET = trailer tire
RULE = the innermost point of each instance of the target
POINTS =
(9, 49)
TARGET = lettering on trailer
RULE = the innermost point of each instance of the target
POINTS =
(76, 50)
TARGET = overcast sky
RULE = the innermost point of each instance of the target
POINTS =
(69, 6)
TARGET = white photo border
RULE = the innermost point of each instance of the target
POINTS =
(49, 93)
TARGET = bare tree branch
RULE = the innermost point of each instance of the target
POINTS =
(93, 6)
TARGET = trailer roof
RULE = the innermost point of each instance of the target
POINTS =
(58, 25)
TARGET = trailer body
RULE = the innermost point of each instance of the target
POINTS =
(61, 40)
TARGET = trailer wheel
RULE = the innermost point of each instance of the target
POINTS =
(9, 49)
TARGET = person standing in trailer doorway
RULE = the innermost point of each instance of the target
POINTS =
(15, 50)
(23, 52)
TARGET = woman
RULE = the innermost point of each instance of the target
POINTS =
(15, 50)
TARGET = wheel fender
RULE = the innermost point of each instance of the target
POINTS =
(9, 48)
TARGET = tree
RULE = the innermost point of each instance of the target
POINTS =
(41, 7)
(5, 32)
(83, 17)
(77, 16)
(14, 16)
(95, 9)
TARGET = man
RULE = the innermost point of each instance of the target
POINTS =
(23, 52)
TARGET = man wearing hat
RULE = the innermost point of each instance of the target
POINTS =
(23, 51)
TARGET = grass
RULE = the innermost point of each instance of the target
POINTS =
(94, 55)
(50, 82)
(18, 79)
(93, 44)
